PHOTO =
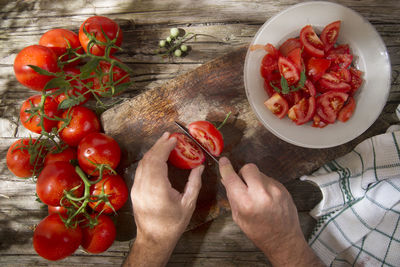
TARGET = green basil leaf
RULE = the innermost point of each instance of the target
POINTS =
(285, 86)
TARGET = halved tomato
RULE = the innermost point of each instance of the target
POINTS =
(330, 34)
(330, 81)
(289, 45)
(303, 111)
(208, 135)
(288, 70)
(278, 105)
(347, 111)
(316, 67)
(186, 154)
(311, 42)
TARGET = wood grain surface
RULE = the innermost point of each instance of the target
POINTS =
(225, 26)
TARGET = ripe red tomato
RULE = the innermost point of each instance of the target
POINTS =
(20, 162)
(311, 42)
(56, 178)
(56, 209)
(39, 56)
(114, 186)
(288, 70)
(208, 135)
(340, 61)
(186, 154)
(66, 155)
(289, 45)
(96, 25)
(98, 148)
(78, 87)
(119, 77)
(347, 111)
(53, 241)
(83, 122)
(295, 57)
(303, 111)
(33, 123)
(329, 104)
(356, 79)
(100, 237)
(331, 81)
(309, 88)
(269, 68)
(316, 67)
(278, 105)
(59, 40)
(330, 34)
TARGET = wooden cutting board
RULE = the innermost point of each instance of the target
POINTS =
(209, 93)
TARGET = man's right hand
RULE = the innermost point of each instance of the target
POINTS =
(264, 210)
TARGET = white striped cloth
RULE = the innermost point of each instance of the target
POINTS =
(358, 218)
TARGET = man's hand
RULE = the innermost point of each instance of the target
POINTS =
(161, 213)
(265, 211)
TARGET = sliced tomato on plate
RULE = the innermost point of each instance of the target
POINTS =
(289, 45)
(303, 111)
(344, 75)
(330, 81)
(293, 97)
(309, 88)
(269, 68)
(347, 111)
(329, 104)
(330, 34)
(295, 57)
(277, 105)
(311, 42)
(318, 122)
(340, 61)
(186, 154)
(340, 49)
(356, 79)
(208, 135)
(288, 70)
(316, 67)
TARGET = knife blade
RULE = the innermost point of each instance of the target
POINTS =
(186, 131)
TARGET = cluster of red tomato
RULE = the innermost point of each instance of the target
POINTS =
(310, 78)
(72, 160)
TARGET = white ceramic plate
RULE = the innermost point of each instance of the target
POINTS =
(370, 56)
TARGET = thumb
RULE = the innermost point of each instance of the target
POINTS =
(192, 187)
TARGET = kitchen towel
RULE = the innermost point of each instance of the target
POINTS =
(358, 218)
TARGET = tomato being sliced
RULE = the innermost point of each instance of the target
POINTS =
(330, 81)
(316, 67)
(330, 34)
(288, 70)
(311, 42)
(289, 45)
(303, 111)
(207, 135)
(278, 105)
(186, 154)
(347, 111)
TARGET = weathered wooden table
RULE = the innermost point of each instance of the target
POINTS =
(226, 25)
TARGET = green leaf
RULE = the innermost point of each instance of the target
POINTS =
(58, 82)
(285, 86)
(275, 88)
(303, 78)
(88, 68)
(69, 102)
(41, 71)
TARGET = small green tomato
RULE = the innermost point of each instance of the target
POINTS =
(184, 48)
(162, 43)
(178, 53)
(174, 32)
(169, 39)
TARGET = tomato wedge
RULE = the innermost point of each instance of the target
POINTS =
(303, 111)
(269, 68)
(289, 45)
(347, 111)
(208, 135)
(356, 79)
(288, 70)
(186, 154)
(309, 88)
(340, 49)
(311, 42)
(330, 34)
(316, 67)
(330, 81)
(329, 104)
(340, 61)
(295, 57)
(278, 105)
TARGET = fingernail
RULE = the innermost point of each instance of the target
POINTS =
(165, 135)
(224, 161)
(201, 169)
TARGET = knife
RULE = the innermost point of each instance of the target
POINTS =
(186, 131)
